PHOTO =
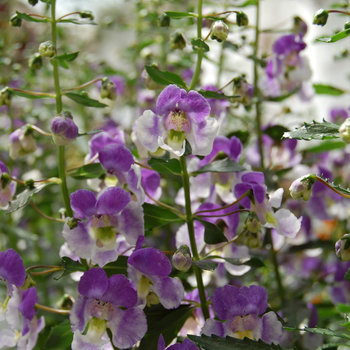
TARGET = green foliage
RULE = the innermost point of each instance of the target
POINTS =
(206, 265)
(252, 262)
(29, 95)
(165, 78)
(220, 166)
(28, 18)
(60, 337)
(67, 57)
(84, 100)
(117, 267)
(343, 308)
(327, 90)
(323, 331)
(276, 132)
(79, 21)
(196, 43)
(326, 146)
(91, 132)
(158, 216)
(89, 171)
(335, 37)
(212, 233)
(179, 15)
(70, 266)
(280, 98)
(217, 95)
(171, 166)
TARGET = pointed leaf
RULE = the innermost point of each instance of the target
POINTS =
(276, 132)
(165, 78)
(28, 18)
(69, 267)
(171, 166)
(220, 166)
(196, 43)
(314, 131)
(216, 95)
(89, 171)
(117, 267)
(30, 96)
(324, 331)
(335, 37)
(179, 15)
(60, 336)
(248, 3)
(157, 216)
(67, 56)
(206, 265)
(252, 262)
(212, 233)
(85, 101)
(326, 146)
(79, 21)
(327, 90)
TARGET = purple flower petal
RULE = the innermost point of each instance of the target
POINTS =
(236, 148)
(253, 177)
(213, 327)
(104, 255)
(27, 305)
(272, 328)
(257, 297)
(112, 200)
(12, 268)
(78, 315)
(223, 300)
(83, 204)
(93, 284)
(170, 292)
(168, 99)
(116, 158)
(195, 106)
(161, 343)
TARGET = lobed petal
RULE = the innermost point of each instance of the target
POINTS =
(170, 292)
(27, 305)
(83, 204)
(194, 105)
(272, 328)
(168, 99)
(93, 284)
(213, 327)
(224, 301)
(112, 200)
(78, 315)
(12, 268)
(116, 157)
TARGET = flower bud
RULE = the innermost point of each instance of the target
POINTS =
(320, 17)
(72, 223)
(22, 142)
(33, 2)
(35, 61)
(108, 89)
(253, 240)
(15, 21)
(177, 41)
(65, 302)
(64, 130)
(219, 31)
(5, 96)
(299, 26)
(182, 260)
(163, 20)
(242, 19)
(244, 89)
(47, 49)
(87, 14)
(342, 247)
(29, 183)
(347, 25)
(302, 187)
(252, 223)
(344, 131)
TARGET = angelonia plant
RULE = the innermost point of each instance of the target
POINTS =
(142, 208)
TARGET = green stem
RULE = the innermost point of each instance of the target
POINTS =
(200, 50)
(256, 92)
(189, 220)
(61, 158)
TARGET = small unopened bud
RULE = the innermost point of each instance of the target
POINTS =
(242, 19)
(252, 223)
(33, 2)
(344, 131)
(65, 302)
(253, 240)
(5, 96)
(35, 61)
(87, 14)
(29, 183)
(342, 247)
(299, 26)
(302, 187)
(182, 260)
(22, 142)
(108, 89)
(5, 179)
(47, 49)
(219, 31)
(347, 25)
(15, 21)
(72, 223)
(177, 41)
(64, 130)
(244, 89)
(320, 17)
(163, 20)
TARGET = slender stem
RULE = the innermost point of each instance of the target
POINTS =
(33, 93)
(331, 187)
(82, 86)
(143, 166)
(68, 14)
(190, 226)
(223, 215)
(256, 92)
(339, 11)
(46, 271)
(16, 180)
(46, 308)
(44, 215)
(165, 205)
(61, 160)
(35, 15)
(192, 302)
(40, 131)
(200, 50)
(226, 84)
(42, 267)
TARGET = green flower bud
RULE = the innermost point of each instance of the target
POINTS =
(65, 302)
(5, 96)
(47, 49)
(253, 240)
(242, 19)
(252, 223)
(177, 41)
(87, 14)
(29, 183)
(320, 17)
(344, 131)
(163, 20)
(33, 2)
(182, 260)
(347, 25)
(15, 21)
(72, 223)
(5, 179)
(35, 61)
(108, 89)
(302, 187)
(219, 31)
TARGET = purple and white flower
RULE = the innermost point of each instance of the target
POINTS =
(22, 142)
(7, 189)
(64, 130)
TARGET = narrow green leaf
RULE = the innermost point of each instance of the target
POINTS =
(314, 131)
(89, 171)
(79, 21)
(280, 98)
(220, 166)
(206, 265)
(85, 101)
(196, 43)
(248, 3)
(275, 132)
(335, 37)
(165, 78)
(179, 15)
(69, 267)
(216, 343)
(252, 262)
(321, 89)
(343, 308)
(324, 331)
(212, 233)
(23, 198)
(216, 95)
(157, 216)
(67, 56)
(117, 267)
(29, 96)
(171, 166)
(91, 132)
(60, 336)
(326, 146)
(25, 17)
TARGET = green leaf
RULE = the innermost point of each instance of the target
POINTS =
(326, 245)
(212, 233)
(216, 343)
(248, 3)
(326, 146)
(314, 131)
(196, 43)
(29, 96)
(275, 132)
(336, 187)
(60, 337)
(91, 132)
(157, 216)
(206, 265)
(220, 166)
(324, 331)
(69, 267)
(179, 15)
(25, 17)
(343, 308)
(62, 64)
(46, 1)
(335, 37)
(327, 90)
(347, 276)
(89, 171)
(67, 56)
(85, 101)
(79, 21)
(165, 322)
(23, 198)
(171, 166)
(216, 95)
(165, 78)
(280, 98)
(252, 262)
(117, 267)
